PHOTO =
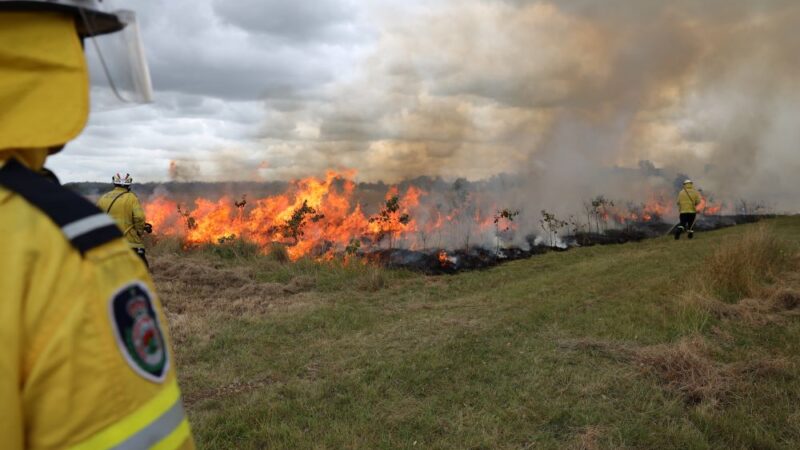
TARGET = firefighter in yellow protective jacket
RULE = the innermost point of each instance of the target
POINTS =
(124, 207)
(688, 199)
(85, 361)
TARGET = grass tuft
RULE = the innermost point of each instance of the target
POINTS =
(374, 279)
(739, 268)
(278, 253)
(686, 368)
(233, 248)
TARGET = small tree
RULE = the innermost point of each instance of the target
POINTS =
(503, 220)
(191, 224)
(551, 224)
(598, 209)
(293, 227)
(389, 219)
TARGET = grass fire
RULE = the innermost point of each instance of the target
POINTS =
(457, 224)
(322, 218)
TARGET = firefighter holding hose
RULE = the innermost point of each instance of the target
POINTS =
(688, 199)
(124, 207)
(86, 360)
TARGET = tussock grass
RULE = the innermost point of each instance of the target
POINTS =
(686, 368)
(740, 268)
(689, 368)
(741, 280)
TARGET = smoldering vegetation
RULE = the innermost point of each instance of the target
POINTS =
(429, 224)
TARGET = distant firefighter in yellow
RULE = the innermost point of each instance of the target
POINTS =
(688, 199)
(85, 361)
(124, 207)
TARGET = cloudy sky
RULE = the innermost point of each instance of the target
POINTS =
(270, 89)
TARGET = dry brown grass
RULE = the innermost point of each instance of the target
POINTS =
(775, 305)
(740, 268)
(688, 368)
(237, 387)
(684, 368)
(750, 280)
(195, 290)
(588, 438)
(373, 280)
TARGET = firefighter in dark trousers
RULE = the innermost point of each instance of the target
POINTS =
(688, 199)
(124, 207)
(86, 361)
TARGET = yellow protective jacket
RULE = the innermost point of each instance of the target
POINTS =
(85, 361)
(688, 199)
(127, 212)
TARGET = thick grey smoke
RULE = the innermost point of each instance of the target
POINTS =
(563, 91)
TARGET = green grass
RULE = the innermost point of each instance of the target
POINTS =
(367, 358)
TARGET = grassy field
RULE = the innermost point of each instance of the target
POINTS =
(659, 344)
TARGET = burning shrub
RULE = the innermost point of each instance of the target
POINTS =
(504, 224)
(390, 220)
(599, 210)
(293, 228)
(241, 203)
(739, 268)
(191, 224)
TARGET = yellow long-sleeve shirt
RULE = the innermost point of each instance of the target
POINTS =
(688, 199)
(127, 212)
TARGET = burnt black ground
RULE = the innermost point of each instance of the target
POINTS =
(431, 261)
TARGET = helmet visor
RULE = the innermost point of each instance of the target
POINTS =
(117, 60)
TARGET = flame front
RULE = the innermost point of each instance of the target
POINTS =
(315, 216)
(320, 217)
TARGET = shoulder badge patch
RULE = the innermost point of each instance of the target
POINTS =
(138, 332)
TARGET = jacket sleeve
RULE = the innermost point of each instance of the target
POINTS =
(138, 215)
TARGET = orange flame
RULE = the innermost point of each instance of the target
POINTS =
(286, 218)
(320, 217)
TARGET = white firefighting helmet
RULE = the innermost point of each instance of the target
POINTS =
(687, 181)
(122, 181)
(115, 39)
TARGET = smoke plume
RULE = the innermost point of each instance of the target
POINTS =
(561, 93)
